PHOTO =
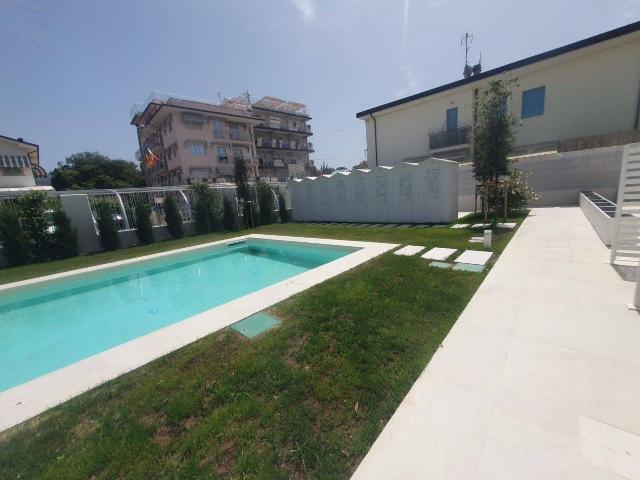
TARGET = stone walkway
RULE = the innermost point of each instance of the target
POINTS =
(538, 379)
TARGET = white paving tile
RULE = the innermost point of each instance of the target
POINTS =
(438, 253)
(477, 257)
(508, 225)
(409, 250)
(481, 225)
(476, 240)
(548, 343)
(460, 225)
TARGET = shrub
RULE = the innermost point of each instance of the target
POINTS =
(201, 207)
(201, 216)
(265, 203)
(33, 209)
(228, 215)
(109, 238)
(15, 245)
(519, 194)
(214, 209)
(144, 228)
(65, 237)
(284, 214)
(249, 214)
(173, 217)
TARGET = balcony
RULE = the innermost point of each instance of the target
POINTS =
(239, 137)
(279, 144)
(300, 129)
(449, 138)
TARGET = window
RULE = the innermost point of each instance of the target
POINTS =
(234, 130)
(237, 154)
(533, 102)
(197, 149)
(222, 153)
(218, 132)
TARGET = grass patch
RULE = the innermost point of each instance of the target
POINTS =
(304, 400)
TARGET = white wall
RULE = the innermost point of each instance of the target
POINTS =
(590, 91)
(408, 193)
(559, 177)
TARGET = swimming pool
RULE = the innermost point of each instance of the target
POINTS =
(49, 325)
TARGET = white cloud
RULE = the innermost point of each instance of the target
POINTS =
(413, 84)
(405, 23)
(306, 8)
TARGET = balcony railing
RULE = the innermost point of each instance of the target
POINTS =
(266, 125)
(449, 138)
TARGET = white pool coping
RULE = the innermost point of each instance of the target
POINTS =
(31, 398)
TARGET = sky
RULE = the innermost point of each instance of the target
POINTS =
(72, 69)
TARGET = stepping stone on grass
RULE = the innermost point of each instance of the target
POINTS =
(476, 257)
(507, 225)
(460, 225)
(468, 267)
(408, 250)
(440, 265)
(476, 240)
(438, 253)
(255, 324)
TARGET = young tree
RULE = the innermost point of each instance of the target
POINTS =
(144, 227)
(241, 180)
(243, 191)
(494, 131)
(33, 208)
(284, 214)
(265, 203)
(200, 195)
(228, 216)
(15, 246)
(214, 210)
(65, 237)
(173, 217)
(109, 238)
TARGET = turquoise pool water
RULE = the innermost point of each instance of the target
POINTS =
(50, 325)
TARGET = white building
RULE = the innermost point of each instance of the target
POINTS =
(583, 89)
(19, 163)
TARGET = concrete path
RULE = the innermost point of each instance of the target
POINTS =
(538, 379)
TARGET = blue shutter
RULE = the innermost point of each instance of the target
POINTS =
(533, 102)
(452, 119)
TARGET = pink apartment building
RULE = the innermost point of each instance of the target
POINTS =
(198, 141)
(192, 140)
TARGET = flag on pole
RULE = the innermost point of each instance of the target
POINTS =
(151, 158)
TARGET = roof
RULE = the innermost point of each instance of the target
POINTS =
(146, 115)
(602, 37)
(18, 140)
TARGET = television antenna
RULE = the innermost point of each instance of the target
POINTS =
(466, 40)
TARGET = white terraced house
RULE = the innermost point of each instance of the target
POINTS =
(584, 94)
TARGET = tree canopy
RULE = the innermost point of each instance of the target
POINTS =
(89, 170)
(494, 131)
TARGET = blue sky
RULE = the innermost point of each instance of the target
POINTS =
(72, 69)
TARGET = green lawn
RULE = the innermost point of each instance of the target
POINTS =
(305, 400)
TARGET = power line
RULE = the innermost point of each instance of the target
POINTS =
(339, 130)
